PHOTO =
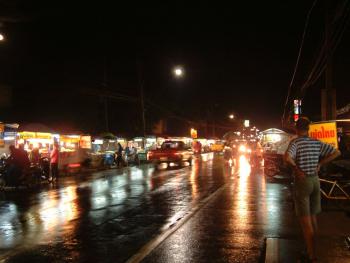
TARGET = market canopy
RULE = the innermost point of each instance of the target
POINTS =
(273, 131)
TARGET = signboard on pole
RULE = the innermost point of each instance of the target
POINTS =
(325, 132)
(193, 133)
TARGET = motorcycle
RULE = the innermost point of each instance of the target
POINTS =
(35, 175)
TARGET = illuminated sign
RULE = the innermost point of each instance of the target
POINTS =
(85, 142)
(193, 133)
(246, 123)
(296, 117)
(297, 109)
(325, 132)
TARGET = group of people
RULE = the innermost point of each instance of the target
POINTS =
(19, 163)
(130, 155)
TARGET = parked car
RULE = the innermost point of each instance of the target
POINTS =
(171, 152)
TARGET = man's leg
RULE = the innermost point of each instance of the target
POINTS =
(308, 224)
(56, 170)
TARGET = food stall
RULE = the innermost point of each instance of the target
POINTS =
(143, 145)
(7, 137)
(74, 150)
(275, 143)
(42, 141)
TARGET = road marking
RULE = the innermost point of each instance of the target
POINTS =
(155, 242)
(272, 250)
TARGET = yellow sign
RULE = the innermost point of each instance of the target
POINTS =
(26, 135)
(43, 135)
(325, 132)
(31, 135)
(194, 133)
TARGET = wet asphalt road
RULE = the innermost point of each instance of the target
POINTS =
(110, 215)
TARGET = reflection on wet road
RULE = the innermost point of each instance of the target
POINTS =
(107, 211)
(110, 215)
(232, 227)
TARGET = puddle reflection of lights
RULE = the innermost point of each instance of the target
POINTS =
(194, 174)
(136, 175)
(244, 167)
(207, 156)
(99, 202)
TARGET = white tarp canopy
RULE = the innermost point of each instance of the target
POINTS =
(275, 140)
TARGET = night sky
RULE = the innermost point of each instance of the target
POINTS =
(59, 57)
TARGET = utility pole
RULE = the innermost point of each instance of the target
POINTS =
(328, 94)
(105, 98)
(142, 103)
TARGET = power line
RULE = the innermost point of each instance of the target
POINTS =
(298, 58)
(321, 62)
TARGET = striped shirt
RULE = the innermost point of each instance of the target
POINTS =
(306, 152)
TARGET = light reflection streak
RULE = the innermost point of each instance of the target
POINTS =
(193, 179)
(244, 170)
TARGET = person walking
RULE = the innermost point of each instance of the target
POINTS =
(306, 155)
(54, 157)
(119, 155)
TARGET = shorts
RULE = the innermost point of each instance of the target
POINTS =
(307, 196)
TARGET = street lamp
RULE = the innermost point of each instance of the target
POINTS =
(2, 37)
(178, 72)
(231, 116)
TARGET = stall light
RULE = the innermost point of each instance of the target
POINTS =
(74, 165)
(74, 136)
(97, 141)
(112, 141)
(138, 140)
(9, 138)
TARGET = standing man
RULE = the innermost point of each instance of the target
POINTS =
(306, 155)
(54, 156)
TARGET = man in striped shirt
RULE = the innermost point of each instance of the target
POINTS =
(306, 155)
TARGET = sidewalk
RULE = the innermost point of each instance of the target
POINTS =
(334, 228)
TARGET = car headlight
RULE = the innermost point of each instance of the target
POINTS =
(242, 148)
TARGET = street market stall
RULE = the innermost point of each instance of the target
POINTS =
(275, 143)
(7, 137)
(143, 145)
(74, 151)
(42, 141)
